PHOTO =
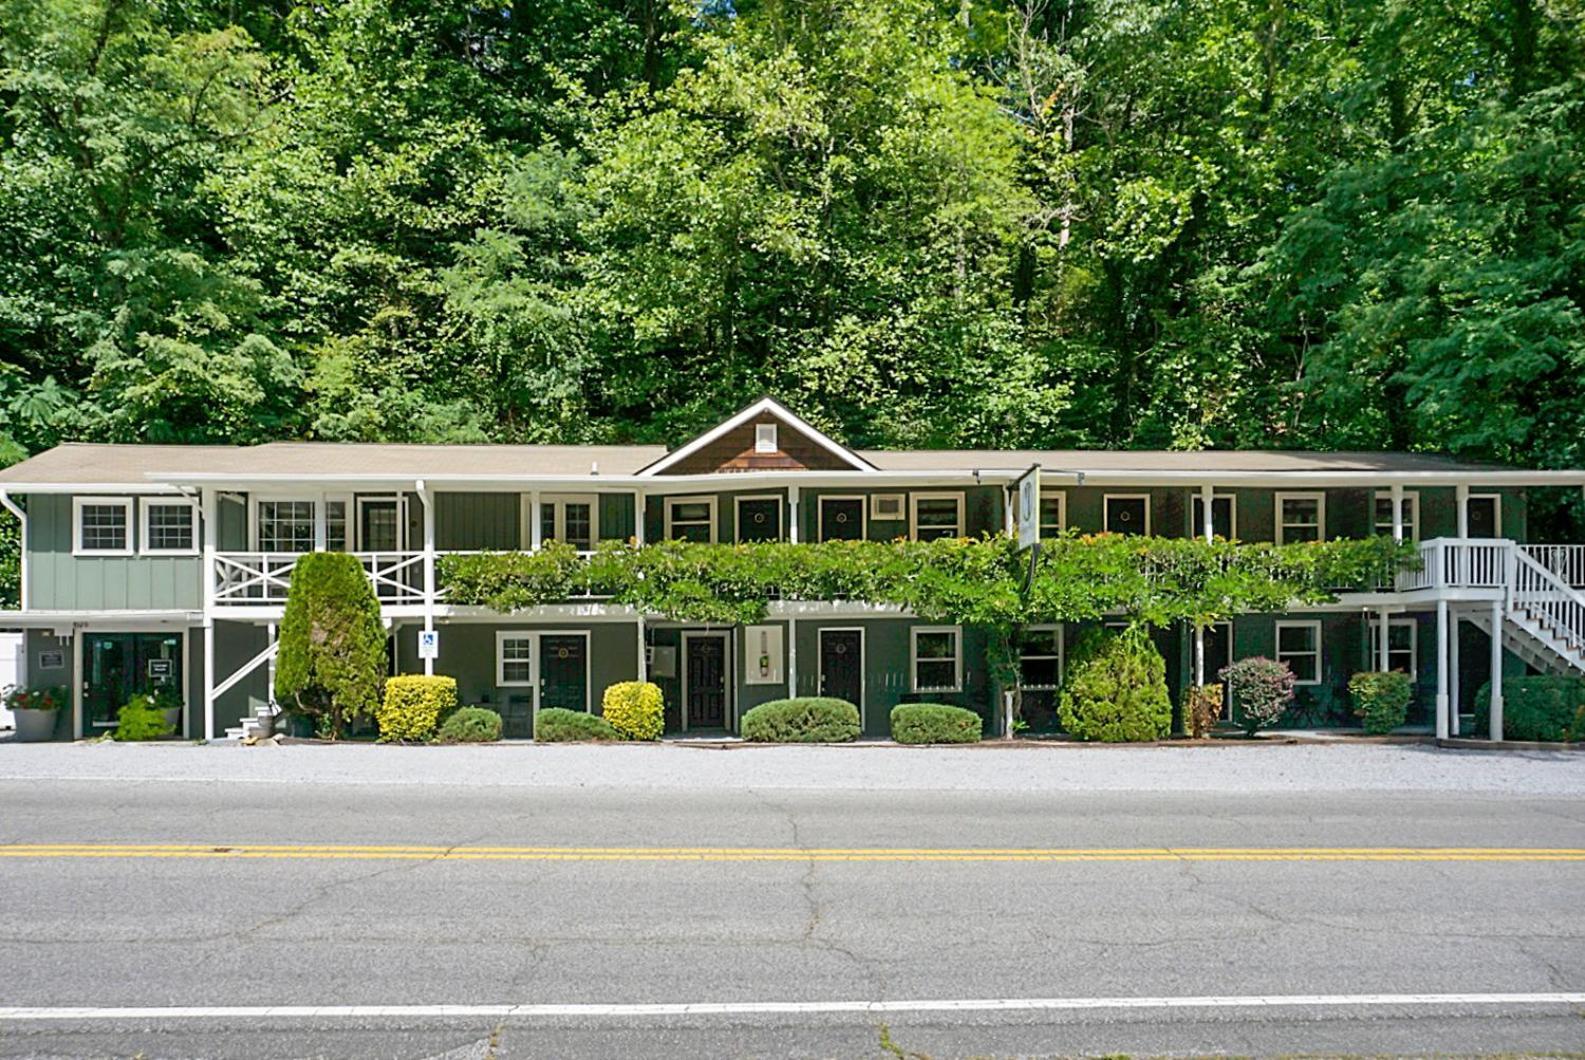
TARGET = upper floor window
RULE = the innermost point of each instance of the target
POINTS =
(570, 520)
(691, 519)
(1299, 645)
(937, 515)
(937, 658)
(1411, 514)
(170, 526)
(1127, 513)
(102, 526)
(1301, 517)
(1224, 516)
(1053, 513)
(285, 526)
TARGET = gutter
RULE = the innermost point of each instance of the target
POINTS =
(22, 521)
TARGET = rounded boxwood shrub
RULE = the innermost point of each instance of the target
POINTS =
(141, 719)
(1546, 708)
(414, 705)
(559, 725)
(635, 710)
(934, 723)
(807, 719)
(1116, 691)
(1381, 699)
(470, 725)
(1262, 690)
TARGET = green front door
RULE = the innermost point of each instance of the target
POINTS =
(564, 671)
(118, 666)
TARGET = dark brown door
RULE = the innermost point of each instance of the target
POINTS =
(705, 666)
(1483, 518)
(842, 664)
(759, 519)
(841, 518)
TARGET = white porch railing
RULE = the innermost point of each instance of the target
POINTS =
(247, 579)
(1460, 563)
(1566, 562)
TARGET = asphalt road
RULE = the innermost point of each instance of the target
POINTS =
(575, 906)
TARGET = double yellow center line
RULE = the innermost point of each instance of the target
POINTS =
(352, 852)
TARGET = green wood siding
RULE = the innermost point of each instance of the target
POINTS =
(58, 580)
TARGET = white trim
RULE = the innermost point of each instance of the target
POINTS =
(1061, 497)
(729, 708)
(144, 536)
(760, 407)
(913, 512)
(79, 503)
(1313, 624)
(820, 665)
(1496, 499)
(697, 498)
(820, 513)
(503, 635)
(356, 531)
(1106, 513)
(1413, 625)
(557, 503)
(737, 514)
(1411, 504)
(1061, 656)
(1305, 495)
(913, 657)
(1197, 526)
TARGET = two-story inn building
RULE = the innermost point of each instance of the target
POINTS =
(150, 564)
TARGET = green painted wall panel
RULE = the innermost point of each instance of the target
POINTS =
(58, 580)
(468, 653)
(472, 521)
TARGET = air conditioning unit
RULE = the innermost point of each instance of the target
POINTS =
(888, 506)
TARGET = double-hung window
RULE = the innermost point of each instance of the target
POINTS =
(1299, 645)
(1411, 514)
(285, 525)
(1402, 649)
(1053, 513)
(1040, 660)
(170, 527)
(937, 658)
(514, 658)
(937, 515)
(102, 526)
(1301, 517)
(691, 519)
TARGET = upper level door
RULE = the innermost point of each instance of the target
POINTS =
(380, 524)
(759, 519)
(841, 518)
(1484, 513)
(570, 520)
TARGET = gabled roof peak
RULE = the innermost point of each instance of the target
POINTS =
(765, 406)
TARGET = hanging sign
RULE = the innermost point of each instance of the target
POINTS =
(1027, 490)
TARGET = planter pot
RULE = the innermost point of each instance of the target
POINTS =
(173, 718)
(35, 726)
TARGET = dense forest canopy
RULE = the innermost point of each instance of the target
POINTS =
(1158, 223)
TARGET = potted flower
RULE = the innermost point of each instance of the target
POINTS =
(170, 705)
(36, 710)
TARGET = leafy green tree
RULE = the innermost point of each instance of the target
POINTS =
(331, 662)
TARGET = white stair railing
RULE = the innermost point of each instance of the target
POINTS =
(1539, 596)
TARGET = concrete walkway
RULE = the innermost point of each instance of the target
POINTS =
(861, 767)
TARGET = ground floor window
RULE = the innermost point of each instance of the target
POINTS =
(514, 659)
(1402, 653)
(1299, 645)
(937, 658)
(1040, 658)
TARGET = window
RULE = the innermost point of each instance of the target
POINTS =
(1053, 514)
(1411, 514)
(286, 526)
(514, 658)
(1402, 646)
(1040, 661)
(691, 519)
(570, 520)
(1127, 513)
(1299, 645)
(841, 519)
(765, 438)
(889, 506)
(1301, 517)
(1224, 516)
(336, 525)
(759, 518)
(937, 656)
(102, 526)
(937, 515)
(170, 527)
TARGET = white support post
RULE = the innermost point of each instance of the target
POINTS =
(321, 534)
(1208, 523)
(1441, 670)
(1382, 655)
(1208, 531)
(1495, 727)
(22, 535)
(643, 656)
(271, 635)
(1454, 699)
(534, 536)
(792, 656)
(638, 526)
(209, 503)
(1397, 513)
(1461, 493)
(429, 567)
(792, 513)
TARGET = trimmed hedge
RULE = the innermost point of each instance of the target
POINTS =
(1262, 691)
(141, 719)
(558, 725)
(808, 719)
(1381, 699)
(635, 710)
(471, 725)
(1116, 691)
(934, 723)
(1545, 708)
(414, 705)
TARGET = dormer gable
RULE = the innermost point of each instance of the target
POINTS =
(766, 436)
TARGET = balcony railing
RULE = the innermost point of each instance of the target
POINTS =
(246, 579)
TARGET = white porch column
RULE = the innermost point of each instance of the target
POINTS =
(643, 657)
(1496, 670)
(792, 513)
(1461, 494)
(638, 529)
(533, 521)
(792, 656)
(321, 535)
(1382, 654)
(1441, 670)
(1452, 676)
(1397, 513)
(210, 503)
(1208, 531)
(429, 567)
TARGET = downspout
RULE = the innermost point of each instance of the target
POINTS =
(22, 547)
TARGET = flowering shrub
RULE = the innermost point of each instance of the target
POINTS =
(1262, 688)
(634, 709)
(49, 697)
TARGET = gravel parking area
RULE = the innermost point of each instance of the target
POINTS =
(861, 767)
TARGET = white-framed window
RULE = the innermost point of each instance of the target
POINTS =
(1224, 516)
(283, 524)
(572, 519)
(1127, 513)
(338, 531)
(691, 519)
(1040, 658)
(514, 658)
(937, 515)
(1403, 650)
(936, 658)
(758, 517)
(1299, 645)
(1301, 517)
(765, 438)
(101, 526)
(1411, 514)
(1053, 513)
(888, 507)
(170, 527)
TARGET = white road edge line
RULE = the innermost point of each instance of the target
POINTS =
(22, 1013)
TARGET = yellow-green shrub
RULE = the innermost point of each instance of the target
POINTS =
(635, 709)
(413, 706)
